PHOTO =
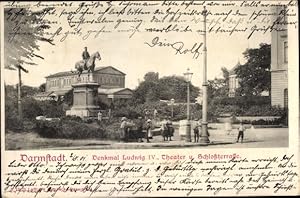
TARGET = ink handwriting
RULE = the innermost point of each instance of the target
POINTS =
(186, 176)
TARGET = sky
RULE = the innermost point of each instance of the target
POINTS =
(135, 58)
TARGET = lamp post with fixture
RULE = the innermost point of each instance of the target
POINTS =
(204, 135)
(188, 76)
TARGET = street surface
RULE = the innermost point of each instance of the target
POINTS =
(253, 138)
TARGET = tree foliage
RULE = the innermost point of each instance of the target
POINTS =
(166, 88)
(255, 75)
(219, 87)
(42, 87)
(151, 77)
(23, 29)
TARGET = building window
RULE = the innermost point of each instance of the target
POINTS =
(285, 98)
(285, 51)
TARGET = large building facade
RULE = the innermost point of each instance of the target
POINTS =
(233, 82)
(279, 66)
(110, 79)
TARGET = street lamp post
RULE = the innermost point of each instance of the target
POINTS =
(204, 135)
(188, 77)
(172, 107)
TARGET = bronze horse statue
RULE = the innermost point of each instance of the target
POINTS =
(88, 65)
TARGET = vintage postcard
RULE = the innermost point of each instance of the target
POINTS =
(149, 98)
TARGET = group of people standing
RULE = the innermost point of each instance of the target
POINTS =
(142, 129)
(167, 129)
(130, 130)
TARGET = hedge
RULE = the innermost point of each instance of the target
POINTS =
(243, 101)
(68, 129)
(71, 127)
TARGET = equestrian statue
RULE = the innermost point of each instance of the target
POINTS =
(88, 62)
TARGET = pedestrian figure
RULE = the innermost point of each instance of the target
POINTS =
(131, 131)
(148, 130)
(241, 132)
(123, 128)
(197, 132)
(170, 129)
(146, 112)
(140, 129)
(164, 130)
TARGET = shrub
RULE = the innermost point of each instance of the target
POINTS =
(75, 130)
(14, 124)
(31, 108)
(267, 122)
(164, 110)
(48, 129)
(266, 110)
(111, 129)
(129, 112)
(242, 101)
(71, 118)
(69, 129)
(51, 109)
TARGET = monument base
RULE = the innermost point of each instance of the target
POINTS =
(85, 97)
(88, 112)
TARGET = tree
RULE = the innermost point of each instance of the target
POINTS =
(164, 88)
(42, 87)
(176, 87)
(225, 75)
(151, 76)
(28, 91)
(255, 75)
(68, 98)
(147, 91)
(23, 29)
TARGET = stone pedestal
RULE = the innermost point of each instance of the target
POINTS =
(183, 128)
(85, 99)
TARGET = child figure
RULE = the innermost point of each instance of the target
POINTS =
(241, 132)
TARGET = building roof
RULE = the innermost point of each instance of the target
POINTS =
(232, 71)
(67, 73)
(43, 94)
(52, 93)
(112, 90)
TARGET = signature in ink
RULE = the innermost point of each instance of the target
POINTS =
(178, 46)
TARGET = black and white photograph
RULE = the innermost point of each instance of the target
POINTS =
(192, 77)
(120, 76)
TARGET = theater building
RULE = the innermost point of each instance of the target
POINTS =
(110, 79)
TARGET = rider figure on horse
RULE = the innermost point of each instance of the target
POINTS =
(85, 57)
(88, 62)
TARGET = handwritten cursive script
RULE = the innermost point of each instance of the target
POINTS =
(177, 174)
(178, 46)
